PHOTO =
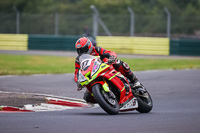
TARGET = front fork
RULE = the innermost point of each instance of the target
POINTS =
(109, 95)
(103, 84)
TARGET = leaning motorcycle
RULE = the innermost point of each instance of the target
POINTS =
(111, 90)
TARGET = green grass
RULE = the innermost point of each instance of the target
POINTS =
(29, 64)
(151, 64)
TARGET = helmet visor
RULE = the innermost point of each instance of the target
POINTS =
(82, 50)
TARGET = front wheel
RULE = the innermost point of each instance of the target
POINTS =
(106, 100)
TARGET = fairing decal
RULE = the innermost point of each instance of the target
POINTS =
(130, 104)
(114, 76)
(85, 80)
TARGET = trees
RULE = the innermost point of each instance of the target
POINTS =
(104, 6)
(149, 15)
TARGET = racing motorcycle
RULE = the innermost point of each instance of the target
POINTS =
(111, 90)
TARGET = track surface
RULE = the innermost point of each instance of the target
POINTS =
(176, 97)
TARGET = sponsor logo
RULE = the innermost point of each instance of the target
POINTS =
(103, 66)
(78, 46)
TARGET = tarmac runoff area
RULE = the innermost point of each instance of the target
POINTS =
(27, 102)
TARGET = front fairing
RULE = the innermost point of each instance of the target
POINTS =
(91, 70)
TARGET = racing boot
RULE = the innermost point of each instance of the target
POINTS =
(136, 85)
(134, 82)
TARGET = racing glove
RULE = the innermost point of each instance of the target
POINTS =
(80, 87)
(111, 59)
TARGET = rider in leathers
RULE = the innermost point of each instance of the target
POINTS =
(84, 46)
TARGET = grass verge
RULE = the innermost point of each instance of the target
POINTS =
(30, 64)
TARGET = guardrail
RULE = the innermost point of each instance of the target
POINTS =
(13, 41)
(126, 45)
(52, 42)
(185, 47)
(135, 45)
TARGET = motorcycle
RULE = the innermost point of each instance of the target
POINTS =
(111, 90)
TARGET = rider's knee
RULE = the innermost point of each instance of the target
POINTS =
(119, 63)
(89, 98)
(125, 66)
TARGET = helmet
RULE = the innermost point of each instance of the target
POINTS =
(83, 46)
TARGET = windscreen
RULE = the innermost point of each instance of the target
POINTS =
(85, 56)
(85, 61)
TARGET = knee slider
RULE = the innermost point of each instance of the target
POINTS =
(126, 66)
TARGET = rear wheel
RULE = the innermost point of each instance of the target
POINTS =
(145, 103)
(106, 100)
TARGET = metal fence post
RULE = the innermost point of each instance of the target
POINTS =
(95, 25)
(17, 19)
(168, 22)
(100, 21)
(56, 23)
(132, 20)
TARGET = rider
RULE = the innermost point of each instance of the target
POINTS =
(84, 46)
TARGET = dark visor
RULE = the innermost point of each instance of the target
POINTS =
(82, 50)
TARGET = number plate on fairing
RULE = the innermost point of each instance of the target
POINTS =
(132, 104)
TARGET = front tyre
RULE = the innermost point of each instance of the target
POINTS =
(106, 100)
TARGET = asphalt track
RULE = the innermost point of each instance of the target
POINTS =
(176, 97)
(74, 54)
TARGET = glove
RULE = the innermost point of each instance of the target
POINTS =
(80, 87)
(111, 59)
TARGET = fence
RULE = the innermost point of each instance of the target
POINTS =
(46, 24)
(117, 24)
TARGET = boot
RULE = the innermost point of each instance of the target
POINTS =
(134, 81)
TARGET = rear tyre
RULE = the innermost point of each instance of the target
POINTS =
(106, 101)
(145, 103)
